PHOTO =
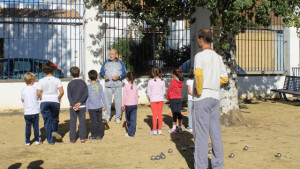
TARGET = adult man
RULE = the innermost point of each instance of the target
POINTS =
(113, 71)
(209, 72)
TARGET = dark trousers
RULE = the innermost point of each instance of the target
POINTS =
(176, 109)
(73, 120)
(96, 122)
(50, 113)
(131, 119)
(32, 120)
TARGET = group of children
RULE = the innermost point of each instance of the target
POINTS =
(91, 97)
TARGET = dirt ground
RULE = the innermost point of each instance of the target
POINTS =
(272, 127)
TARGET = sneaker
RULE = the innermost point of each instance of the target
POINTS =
(27, 144)
(72, 141)
(105, 121)
(118, 121)
(172, 130)
(189, 130)
(92, 138)
(153, 132)
(37, 143)
(159, 132)
(179, 130)
(56, 135)
(98, 138)
(128, 135)
(82, 140)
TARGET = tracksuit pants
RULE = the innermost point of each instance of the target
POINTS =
(96, 122)
(157, 108)
(117, 93)
(206, 122)
(130, 112)
(73, 120)
(176, 109)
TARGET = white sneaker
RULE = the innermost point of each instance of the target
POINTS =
(189, 130)
(153, 132)
(126, 135)
(172, 130)
(118, 121)
(37, 143)
(27, 144)
(159, 132)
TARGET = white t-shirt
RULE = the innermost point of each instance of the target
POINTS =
(30, 100)
(213, 68)
(49, 87)
(190, 82)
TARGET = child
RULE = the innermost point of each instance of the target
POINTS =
(31, 109)
(95, 104)
(77, 95)
(129, 104)
(156, 92)
(189, 84)
(174, 96)
(47, 90)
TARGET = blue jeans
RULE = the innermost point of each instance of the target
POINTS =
(131, 119)
(50, 113)
(32, 120)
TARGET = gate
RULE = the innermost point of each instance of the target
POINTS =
(39, 31)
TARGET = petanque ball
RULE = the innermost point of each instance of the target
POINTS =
(245, 148)
(231, 155)
(153, 157)
(278, 155)
(162, 156)
(157, 157)
(170, 150)
(209, 145)
(183, 148)
(209, 151)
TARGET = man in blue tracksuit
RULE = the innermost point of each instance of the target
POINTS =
(113, 71)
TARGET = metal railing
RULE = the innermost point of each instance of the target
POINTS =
(139, 47)
(260, 50)
(35, 32)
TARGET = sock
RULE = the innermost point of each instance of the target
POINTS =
(174, 126)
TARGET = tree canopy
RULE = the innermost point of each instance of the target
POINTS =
(230, 16)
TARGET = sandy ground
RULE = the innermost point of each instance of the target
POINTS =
(272, 127)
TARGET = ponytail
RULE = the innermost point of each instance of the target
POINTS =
(178, 74)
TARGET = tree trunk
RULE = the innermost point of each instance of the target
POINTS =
(229, 107)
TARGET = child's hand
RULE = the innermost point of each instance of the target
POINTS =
(103, 109)
(75, 108)
(123, 108)
(77, 105)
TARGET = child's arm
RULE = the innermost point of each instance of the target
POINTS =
(124, 98)
(169, 90)
(85, 95)
(69, 91)
(39, 93)
(148, 88)
(189, 90)
(61, 93)
(103, 98)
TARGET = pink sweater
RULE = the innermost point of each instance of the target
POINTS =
(130, 96)
(156, 90)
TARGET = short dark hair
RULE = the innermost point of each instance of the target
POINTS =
(75, 71)
(205, 34)
(48, 68)
(93, 74)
